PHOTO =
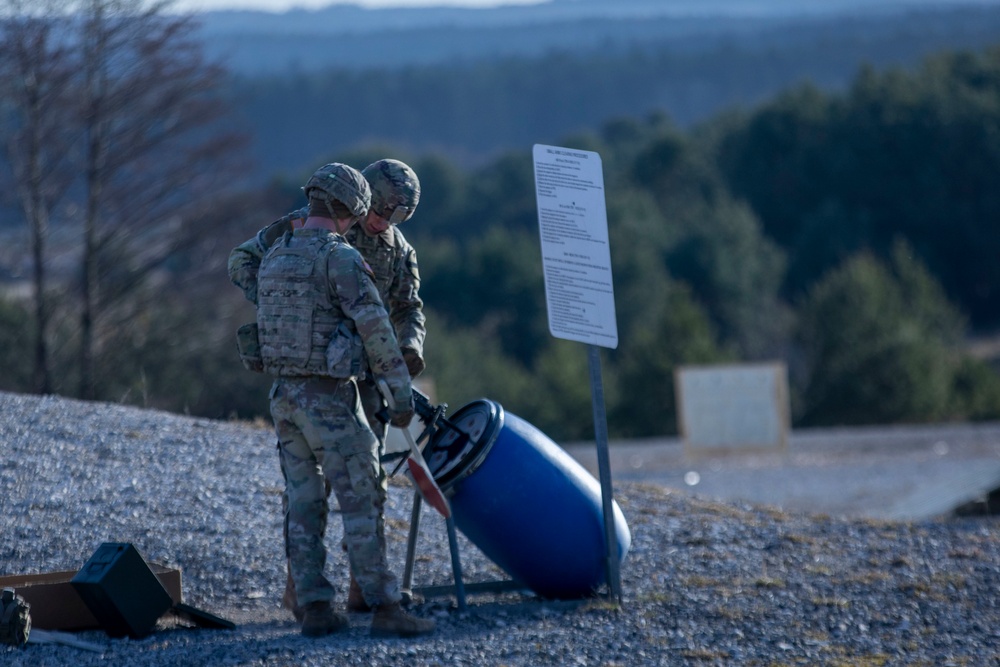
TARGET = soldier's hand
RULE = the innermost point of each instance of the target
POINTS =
(401, 419)
(400, 411)
(414, 364)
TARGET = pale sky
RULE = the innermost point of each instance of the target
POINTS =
(283, 5)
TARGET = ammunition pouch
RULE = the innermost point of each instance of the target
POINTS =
(345, 355)
(248, 346)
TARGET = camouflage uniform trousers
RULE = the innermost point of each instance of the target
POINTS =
(324, 437)
(371, 401)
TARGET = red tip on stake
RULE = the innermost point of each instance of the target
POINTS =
(419, 472)
(428, 489)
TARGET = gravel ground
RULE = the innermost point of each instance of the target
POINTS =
(706, 582)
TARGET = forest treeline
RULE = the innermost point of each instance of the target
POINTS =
(484, 94)
(852, 235)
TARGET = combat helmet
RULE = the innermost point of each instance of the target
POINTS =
(395, 189)
(343, 183)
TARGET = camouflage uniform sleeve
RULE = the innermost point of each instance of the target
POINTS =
(405, 305)
(354, 284)
(244, 260)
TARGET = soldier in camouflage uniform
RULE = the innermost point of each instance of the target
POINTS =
(317, 308)
(395, 195)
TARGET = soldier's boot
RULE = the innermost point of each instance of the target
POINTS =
(356, 599)
(389, 620)
(290, 600)
(319, 620)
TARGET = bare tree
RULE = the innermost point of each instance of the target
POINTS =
(153, 154)
(35, 72)
(110, 108)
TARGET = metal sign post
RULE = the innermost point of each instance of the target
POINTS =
(579, 293)
(604, 470)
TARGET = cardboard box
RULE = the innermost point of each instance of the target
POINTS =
(55, 604)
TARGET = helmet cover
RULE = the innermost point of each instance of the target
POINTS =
(395, 189)
(343, 183)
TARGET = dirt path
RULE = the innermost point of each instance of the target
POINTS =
(903, 472)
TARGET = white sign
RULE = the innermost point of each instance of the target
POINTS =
(733, 407)
(576, 257)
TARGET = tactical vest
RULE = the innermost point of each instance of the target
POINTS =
(15, 620)
(302, 331)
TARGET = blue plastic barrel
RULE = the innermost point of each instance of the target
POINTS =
(527, 504)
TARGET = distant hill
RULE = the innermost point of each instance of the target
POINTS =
(255, 42)
(471, 83)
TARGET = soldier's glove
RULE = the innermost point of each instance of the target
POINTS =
(400, 412)
(414, 364)
(401, 419)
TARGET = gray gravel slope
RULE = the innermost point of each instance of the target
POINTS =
(705, 582)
